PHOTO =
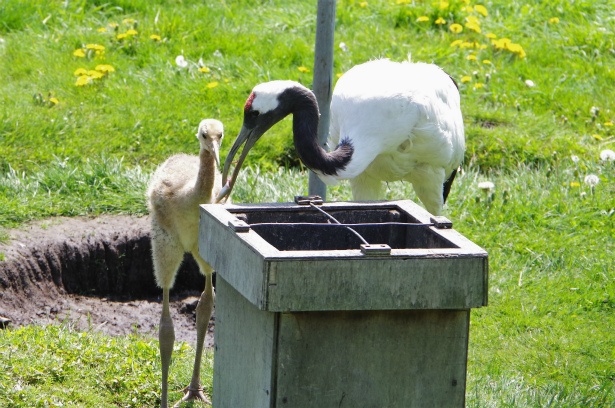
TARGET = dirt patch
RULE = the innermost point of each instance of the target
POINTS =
(93, 273)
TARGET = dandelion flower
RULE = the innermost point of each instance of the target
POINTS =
(303, 69)
(80, 71)
(181, 62)
(440, 21)
(471, 57)
(155, 37)
(597, 137)
(466, 78)
(444, 5)
(456, 43)
(95, 74)
(212, 84)
(83, 80)
(95, 47)
(607, 155)
(487, 62)
(102, 30)
(132, 32)
(54, 100)
(204, 69)
(474, 27)
(486, 185)
(609, 123)
(554, 20)
(79, 53)
(480, 9)
(422, 19)
(478, 85)
(121, 36)
(529, 83)
(105, 68)
(491, 36)
(456, 28)
(591, 180)
(575, 184)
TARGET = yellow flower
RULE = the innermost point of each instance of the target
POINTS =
(105, 68)
(440, 21)
(79, 53)
(478, 85)
(54, 100)
(303, 69)
(95, 74)
(491, 36)
(404, 1)
(422, 19)
(466, 78)
(131, 32)
(155, 37)
(575, 184)
(468, 9)
(80, 71)
(83, 80)
(212, 84)
(129, 21)
(473, 26)
(481, 9)
(95, 47)
(466, 44)
(597, 137)
(554, 20)
(443, 5)
(456, 28)
(121, 36)
(204, 69)
(609, 123)
(471, 57)
(487, 62)
(363, 4)
(113, 25)
(102, 30)
(456, 43)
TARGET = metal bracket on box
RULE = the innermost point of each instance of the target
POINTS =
(441, 222)
(375, 249)
(307, 200)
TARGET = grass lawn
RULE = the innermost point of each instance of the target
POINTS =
(93, 96)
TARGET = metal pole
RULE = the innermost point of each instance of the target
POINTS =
(323, 79)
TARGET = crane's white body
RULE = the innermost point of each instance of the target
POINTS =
(404, 123)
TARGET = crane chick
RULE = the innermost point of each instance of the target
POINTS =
(174, 193)
(389, 121)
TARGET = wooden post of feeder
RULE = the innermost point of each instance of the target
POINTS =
(322, 82)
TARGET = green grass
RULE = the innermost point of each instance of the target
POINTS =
(546, 337)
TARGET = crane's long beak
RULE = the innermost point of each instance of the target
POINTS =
(247, 136)
(215, 147)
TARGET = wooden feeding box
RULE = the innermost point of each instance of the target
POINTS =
(309, 314)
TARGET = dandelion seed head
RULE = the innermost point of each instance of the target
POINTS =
(343, 47)
(591, 180)
(529, 83)
(607, 155)
(486, 185)
(574, 158)
(181, 62)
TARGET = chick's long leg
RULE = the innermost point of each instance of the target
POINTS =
(204, 309)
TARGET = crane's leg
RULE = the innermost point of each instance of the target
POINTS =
(204, 309)
(166, 338)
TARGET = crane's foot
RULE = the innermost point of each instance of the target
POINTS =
(193, 394)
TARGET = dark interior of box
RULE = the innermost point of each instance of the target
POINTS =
(289, 231)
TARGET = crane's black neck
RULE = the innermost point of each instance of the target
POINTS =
(304, 107)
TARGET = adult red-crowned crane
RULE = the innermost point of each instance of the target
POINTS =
(390, 121)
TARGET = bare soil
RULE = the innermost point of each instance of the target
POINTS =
(93, 273)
